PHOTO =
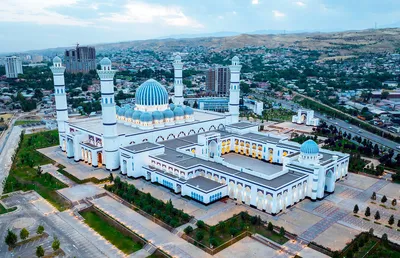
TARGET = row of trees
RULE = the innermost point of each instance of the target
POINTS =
(377, 215)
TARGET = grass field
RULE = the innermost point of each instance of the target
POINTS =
(24, 122)
(4, 210)
(124, 243)
(23, 174)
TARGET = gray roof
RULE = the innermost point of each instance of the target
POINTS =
(261, 138)
(144, 146)
(203, 183)
(242, 125)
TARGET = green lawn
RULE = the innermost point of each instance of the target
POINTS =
(236, 226)
(24, 122)
(23, 174)
(4, 210)
(124, 243)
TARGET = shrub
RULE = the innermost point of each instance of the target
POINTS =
(188, 230)
(385, 239)
(213, 241)
(200, 224)
(394, 202)
(391, 220)
(212, 231)
(367, 212)
(384, 199)
(39, 251)
(233, 231)
(40, 230)
(377, 215)
(11, 239)
(282, 231)
(355, 210)
(56, 243)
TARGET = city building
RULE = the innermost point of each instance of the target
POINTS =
(221, 104)
(305, 117)
(80, 59)
(203, 155)
(218, 80)
(13, 66)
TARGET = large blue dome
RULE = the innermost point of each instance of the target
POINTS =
(309, 147)
(151, 93)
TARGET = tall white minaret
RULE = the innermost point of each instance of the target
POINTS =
(234, 89)
(61, 99)
(178, 84)
(109, 116)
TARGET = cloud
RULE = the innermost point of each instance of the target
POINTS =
(278, 14)
(141, 12)
(299, 3)
(255, 2)
(38, 12)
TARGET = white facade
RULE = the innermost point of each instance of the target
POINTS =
(13, 66)
(305, 117)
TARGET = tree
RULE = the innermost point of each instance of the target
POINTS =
(367, 212)
(371, 232)
(200, 224)
(391, 220)
(355, 210)
(385, 239)
(270, 227)
(212, 231)
(39, 251)
(188, 230)
(377, 215)
(111, 177)
(199, 235)
(56, 244)
(24, 234)
(11, 239)
(282, 231)
(384, 94)
(384, 199)
(373, 197)
(195, 105)
(398, 223)
(213, 241)
(394, 202)
(40, 230)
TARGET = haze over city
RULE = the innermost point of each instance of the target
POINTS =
(39, 24)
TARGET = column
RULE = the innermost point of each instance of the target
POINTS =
(178, 83)
(234, 90)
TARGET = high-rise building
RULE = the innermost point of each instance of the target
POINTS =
(218, 80)
(13, 66)
(80, 59)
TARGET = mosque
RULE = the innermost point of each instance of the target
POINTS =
(201, 154)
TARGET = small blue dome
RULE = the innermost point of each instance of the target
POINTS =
(121, 111)
(129, 112)
(136, 115)
(56, 60)
(146, 117)
(309, 147)
(157, 115)
(168, 113)
(105, 61)
(178, 111)
(151, 93)
(188, 111)
(172, 106)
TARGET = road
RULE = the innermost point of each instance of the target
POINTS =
(346, 127)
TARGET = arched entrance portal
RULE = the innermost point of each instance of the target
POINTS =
(100, 159)
(212, 149)
(330, 182)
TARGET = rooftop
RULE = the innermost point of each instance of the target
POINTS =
(203, 183)
(142, 146)
(242, 125)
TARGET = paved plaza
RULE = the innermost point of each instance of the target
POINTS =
(33, 210)
(248, 247)
(80, 170)
(80, 192)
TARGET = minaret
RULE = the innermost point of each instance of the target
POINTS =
(178, 84)
(234, 89)
(109, 116)
(61, 99)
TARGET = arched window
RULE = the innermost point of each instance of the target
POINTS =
(106, 100)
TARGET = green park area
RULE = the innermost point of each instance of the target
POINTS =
(232, 227)
(3, 210)
(26, 174)
(26, 122)
(165, 212)
(123, 242)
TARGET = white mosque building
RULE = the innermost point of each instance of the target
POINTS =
(201, 154)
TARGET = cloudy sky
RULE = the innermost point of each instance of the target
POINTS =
(38, 24)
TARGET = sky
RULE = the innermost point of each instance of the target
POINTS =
(39, 24)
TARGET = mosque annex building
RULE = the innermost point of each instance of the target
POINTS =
(201, 154)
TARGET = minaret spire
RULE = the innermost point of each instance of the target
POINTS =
(178, 84)
(234, 89)
(109, 116)
(61, 99)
